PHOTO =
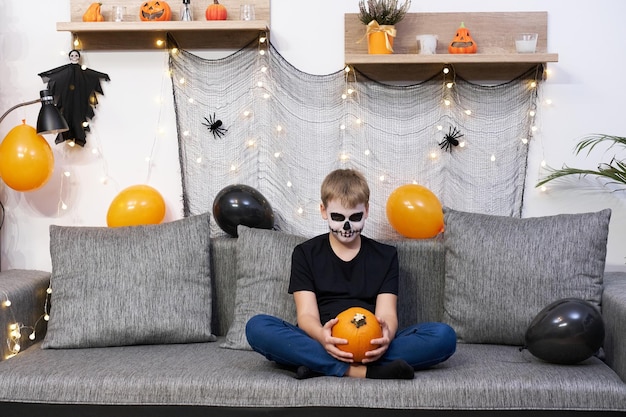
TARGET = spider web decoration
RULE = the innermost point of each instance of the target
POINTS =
(287, 129)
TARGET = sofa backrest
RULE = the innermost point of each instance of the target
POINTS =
(421, 280)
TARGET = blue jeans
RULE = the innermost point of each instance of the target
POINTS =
(421, 345)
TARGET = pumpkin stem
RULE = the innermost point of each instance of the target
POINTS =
(359, 320)
(216, 2)
(462, 25)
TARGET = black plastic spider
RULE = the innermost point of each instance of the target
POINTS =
(450, 139)
(215, 126)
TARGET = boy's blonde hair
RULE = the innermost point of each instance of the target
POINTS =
(346, 185)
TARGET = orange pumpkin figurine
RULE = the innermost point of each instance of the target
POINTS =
(358, 326)
(93, 13)
(155, 11)
(216, 11)
(462, 42)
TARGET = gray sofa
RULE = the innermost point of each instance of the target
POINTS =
(468, 278)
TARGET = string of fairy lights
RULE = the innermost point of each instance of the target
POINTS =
(260, 89)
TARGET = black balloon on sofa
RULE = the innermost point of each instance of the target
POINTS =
(567, 331)
(240, 204)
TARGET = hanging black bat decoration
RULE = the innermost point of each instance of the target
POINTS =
(74, 89)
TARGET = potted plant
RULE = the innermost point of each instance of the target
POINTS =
(381, 16)
(614, 171)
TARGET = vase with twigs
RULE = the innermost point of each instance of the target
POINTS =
(380, 17)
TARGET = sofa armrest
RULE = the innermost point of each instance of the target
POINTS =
(614, 316)
(22, 307)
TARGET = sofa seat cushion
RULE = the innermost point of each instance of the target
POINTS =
(476, 377)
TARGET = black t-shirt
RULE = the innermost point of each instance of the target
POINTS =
(339, 285)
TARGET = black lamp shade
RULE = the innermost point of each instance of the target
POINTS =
(50, 119)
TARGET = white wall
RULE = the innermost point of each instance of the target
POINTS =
(135, 117)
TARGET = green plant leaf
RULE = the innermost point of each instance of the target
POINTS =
(614, 171)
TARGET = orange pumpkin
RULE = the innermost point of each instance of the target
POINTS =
(155, 11)
(216, 11)
(462, 42)
(358, 326)
(93, 13)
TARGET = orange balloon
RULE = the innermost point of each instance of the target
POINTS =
(415, 212)
(136, 205)
(26, 159)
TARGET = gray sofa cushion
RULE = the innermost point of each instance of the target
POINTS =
(130, 285)
(263, 270)
(482, 377)
(501, 271)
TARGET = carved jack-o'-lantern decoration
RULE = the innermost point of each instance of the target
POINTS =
(462, 42)
(155, 11)
(358, 326)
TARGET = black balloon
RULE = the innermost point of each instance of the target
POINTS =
(241, 204)
(567, 331)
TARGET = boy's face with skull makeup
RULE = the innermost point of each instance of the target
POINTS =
(346, 224)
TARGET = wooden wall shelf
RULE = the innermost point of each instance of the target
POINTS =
(133, 34)
(493, 32)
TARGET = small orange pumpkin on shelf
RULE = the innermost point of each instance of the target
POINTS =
(155, 11)
(358, 326)
(93, 13)
(216, 11)
(462, 42)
